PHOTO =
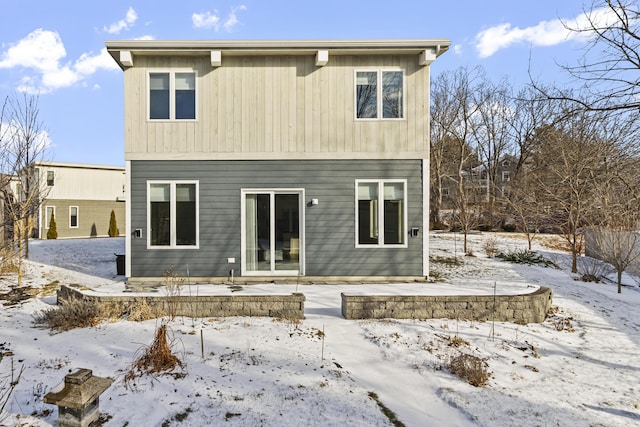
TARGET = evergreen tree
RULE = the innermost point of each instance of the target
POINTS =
(52, 233)
(113, 225)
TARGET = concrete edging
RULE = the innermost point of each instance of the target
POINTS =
(284, 306)
(522, 308)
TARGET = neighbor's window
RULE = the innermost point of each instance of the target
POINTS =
(381, 213)
(73, 216)
(379, 101)
(49, 213)
(173, 214)
(50, 178)
(172, 96)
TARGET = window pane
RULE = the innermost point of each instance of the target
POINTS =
(160, 213)
(368, 213)
(366, 94)
(394, 213)
(73, 216)
(392, 95)
(185, 95)
(185, 214)
(159, 96)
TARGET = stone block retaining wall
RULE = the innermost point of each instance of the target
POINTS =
(524, 308)
(285, 306)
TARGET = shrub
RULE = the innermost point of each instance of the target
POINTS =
(439, 226)
(113, 225)
(491, 247)
(52, 233)
(156, 359)
(509, 228)
(140, 311)
(470, 368)
(526, 257)
(8, 262)
(74, 313)
(593, 270)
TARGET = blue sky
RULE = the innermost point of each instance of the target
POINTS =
(56, 48)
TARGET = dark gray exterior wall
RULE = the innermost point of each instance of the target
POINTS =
(329, 227)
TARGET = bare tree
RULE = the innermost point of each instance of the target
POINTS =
(525, 202)
(24, 143)
(608, 69)
(567, 164)
(491, 136)
(615, 235)
(452, 110)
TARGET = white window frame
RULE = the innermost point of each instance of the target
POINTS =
(172, 214)
(77, 217)
(172, 94)
(379, 105)
(405, 216)
(46, 217)
(506, 176)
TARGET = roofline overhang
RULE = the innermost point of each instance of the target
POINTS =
(123, 51)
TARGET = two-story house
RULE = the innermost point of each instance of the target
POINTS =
(272, 159)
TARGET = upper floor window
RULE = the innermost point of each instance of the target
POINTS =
(379, 94)
(50, 178)
(172, 96)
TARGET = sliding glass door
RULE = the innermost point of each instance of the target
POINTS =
(272, 232)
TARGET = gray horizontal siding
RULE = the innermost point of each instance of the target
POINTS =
(329, 226)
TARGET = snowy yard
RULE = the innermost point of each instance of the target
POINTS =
(580, 367)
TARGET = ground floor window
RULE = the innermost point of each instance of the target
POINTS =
(381, 213)
(73, 216)
(173, 219)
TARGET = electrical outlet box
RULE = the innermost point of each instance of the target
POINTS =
(231, 260)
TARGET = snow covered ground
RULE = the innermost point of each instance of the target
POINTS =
(581, 367)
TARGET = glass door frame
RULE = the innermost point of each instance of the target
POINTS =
(272, 192)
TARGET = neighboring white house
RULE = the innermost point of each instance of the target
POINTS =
(81, 197)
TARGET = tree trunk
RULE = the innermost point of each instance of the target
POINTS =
(619, 281)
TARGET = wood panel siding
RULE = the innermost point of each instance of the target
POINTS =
(276, 107)
(329, 227)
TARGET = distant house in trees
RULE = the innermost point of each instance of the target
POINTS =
(81, 197)
(478, 184)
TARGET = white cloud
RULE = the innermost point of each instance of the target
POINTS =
(123, 24)
(232, 20)
(457, 49)
(208, 20)
(545, 33)
(43, 53)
